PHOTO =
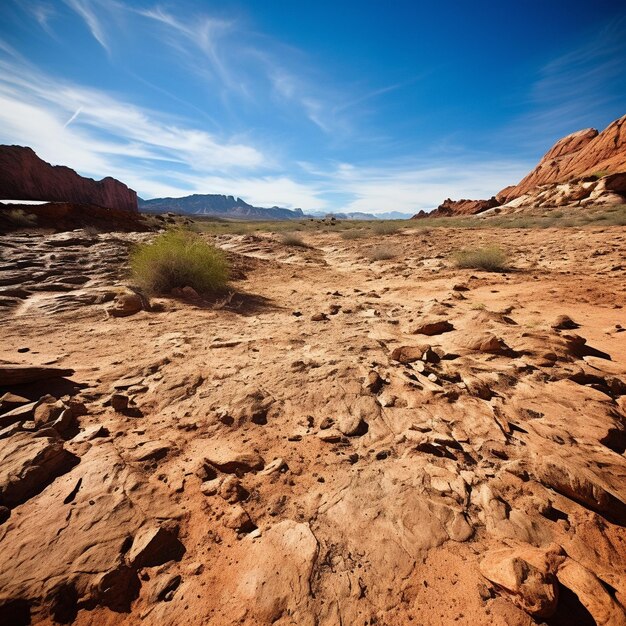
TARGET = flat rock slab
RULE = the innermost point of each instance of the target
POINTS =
(15, 374)
(29, 463)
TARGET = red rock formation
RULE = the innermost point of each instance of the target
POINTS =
(24, 176)
(580, 154)
(579, 159)
(449, 208)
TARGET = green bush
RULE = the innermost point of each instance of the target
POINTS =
(179, 258)
(490, 258)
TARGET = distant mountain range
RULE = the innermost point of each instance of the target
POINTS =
(356, 215)
(216, 205)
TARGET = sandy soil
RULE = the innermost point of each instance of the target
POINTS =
(311, 471)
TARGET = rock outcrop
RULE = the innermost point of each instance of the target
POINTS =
(451, 207)
(586, 167)
(583, 153)
(24, 176)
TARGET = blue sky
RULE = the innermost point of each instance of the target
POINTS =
(358, 106)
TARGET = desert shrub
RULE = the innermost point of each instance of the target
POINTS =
(380, 253)
(179, 258)
(490, 258)
(386, 228)
(615, 216)
(291, 239)
(91, 230)
(355, 233)
(19, 217)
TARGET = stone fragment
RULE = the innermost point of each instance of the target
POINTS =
(154, 545)
(534, 591)
(238, 519)
(233, 461)
(29, 463)
(432, 326)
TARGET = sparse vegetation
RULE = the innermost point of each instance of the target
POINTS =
(353, 233)
(539, 218)
(387, 227)
(179, 258)
(381, 253)
(600, 174)
(19, 217)
(91, 231)
(291, 239)
(490, 258)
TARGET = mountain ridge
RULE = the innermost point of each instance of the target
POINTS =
(216, 205)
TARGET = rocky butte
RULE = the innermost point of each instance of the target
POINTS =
(24, 176)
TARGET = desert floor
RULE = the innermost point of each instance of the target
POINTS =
(282, 461)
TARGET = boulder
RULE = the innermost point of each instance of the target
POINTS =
(408, 354)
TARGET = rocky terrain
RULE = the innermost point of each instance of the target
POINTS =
(24, 176)
(337, 441)
(585, 168)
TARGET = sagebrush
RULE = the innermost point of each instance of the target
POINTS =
(489, 258)
(179, 259)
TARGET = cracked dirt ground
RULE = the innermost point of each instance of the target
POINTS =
(303, 453)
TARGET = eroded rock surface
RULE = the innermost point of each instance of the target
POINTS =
(236, 463)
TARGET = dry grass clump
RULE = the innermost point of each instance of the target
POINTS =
(291, 239)
(381, 253)
(386, 227)
(179, 258)
(19, 217)
(489, 258)
(353, 233)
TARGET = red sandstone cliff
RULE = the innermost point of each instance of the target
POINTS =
(580, 154)
(24, 176)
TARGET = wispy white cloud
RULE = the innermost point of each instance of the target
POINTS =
(85, 9)
(574, 90)
(411, 186)
(43, 14)
(375, 93)
(157, 153)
